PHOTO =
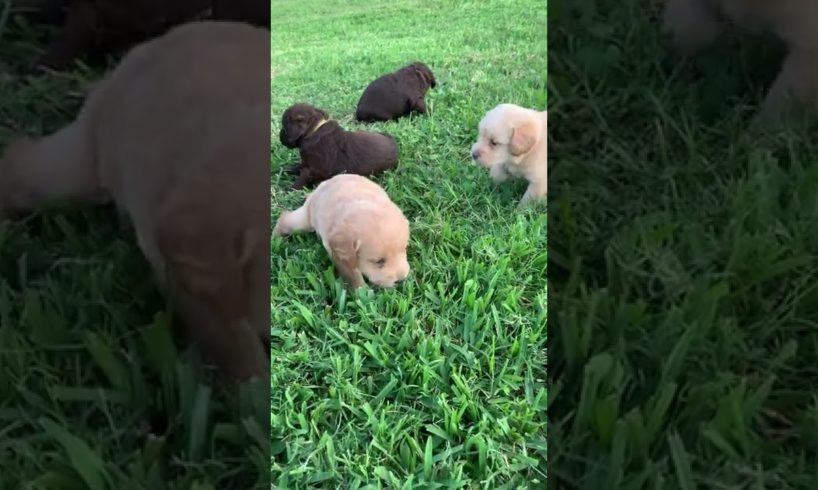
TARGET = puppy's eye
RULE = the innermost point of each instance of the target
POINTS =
(493, 142)
(380, 263)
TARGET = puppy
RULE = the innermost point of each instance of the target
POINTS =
(695, 24)
(512, 141)
(364, 232)
(327, 149)
(396, 94)
(253, 12)
(188, 163)
(94, 28)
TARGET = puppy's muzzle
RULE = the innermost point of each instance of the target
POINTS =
(286, 140)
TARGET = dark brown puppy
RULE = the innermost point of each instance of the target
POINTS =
(396, 94)
(253, 12)
(328, 150)
(94, 28)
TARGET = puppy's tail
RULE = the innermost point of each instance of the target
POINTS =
(57, 167)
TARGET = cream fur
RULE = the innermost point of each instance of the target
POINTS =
(359, 225)
(512, 141)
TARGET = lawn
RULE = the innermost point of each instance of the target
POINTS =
(94, 393)
(684, 260)
(441, 381)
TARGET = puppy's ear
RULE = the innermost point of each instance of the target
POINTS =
(425, 75)
(432, 81)
(344, 247)
(523, 138)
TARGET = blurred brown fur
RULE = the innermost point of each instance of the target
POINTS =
(91, 29)
(177, 136)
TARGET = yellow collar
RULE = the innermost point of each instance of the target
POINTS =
(320, 123)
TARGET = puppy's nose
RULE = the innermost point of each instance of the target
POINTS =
(475, 155)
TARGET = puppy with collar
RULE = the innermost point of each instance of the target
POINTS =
(188, 164)
(512, 142)
(363, 231)
(695, 24)
(326, 149)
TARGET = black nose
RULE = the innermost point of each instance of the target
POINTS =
(474, 155)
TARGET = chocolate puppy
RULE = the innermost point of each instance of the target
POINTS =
(95, 28)
(328, 150)
(396, 94)
(253, 12)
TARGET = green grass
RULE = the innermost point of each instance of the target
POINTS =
(94, 393)
(440, 382)
(684, 256)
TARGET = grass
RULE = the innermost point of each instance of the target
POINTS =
(94, 392)
(684, 254)
(440, 382)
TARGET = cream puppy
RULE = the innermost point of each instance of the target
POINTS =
(696, 24)
(364, 232)
(512, 141)
(178, 137)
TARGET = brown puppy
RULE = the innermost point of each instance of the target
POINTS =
(696, 24)
(364, 232)
(188, 163)
(253, 12)
(513, 141)
(327, 149)
(396, 94)
(100, 27)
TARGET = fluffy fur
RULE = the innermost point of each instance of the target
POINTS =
(177, 136)
(512, 141)
(94, 28)
(695, 24)
(364, 232)
(396, 94)
(327, 149)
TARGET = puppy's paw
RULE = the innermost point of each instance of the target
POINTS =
(534, 195)
(498, 174)
(530, 202)
(282, 227)
(293, 169)
(354, 283)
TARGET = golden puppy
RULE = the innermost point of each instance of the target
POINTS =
(364, 232)
(695, 24)
(512, 141)
(178, 137)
